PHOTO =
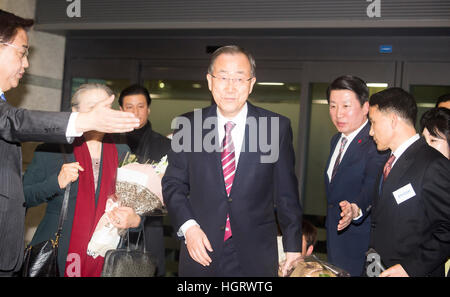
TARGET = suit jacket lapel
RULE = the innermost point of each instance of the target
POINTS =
(246, 158)
(361, 138)
(392, 182)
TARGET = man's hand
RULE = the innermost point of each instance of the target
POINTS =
(68, 173)
(196, 242)
(291, 261)
(349, 212)
(104, 119)
(394, 271)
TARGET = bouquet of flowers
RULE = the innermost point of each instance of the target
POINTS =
(312, 266)
(137, 186)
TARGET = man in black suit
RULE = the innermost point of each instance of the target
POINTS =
(148, 146)
(20, 125)
(221, 187)
(411, 215)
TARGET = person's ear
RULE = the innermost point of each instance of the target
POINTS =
(209, 79)
(252, 83)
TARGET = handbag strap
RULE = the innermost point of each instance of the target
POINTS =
(63, 212)
(139, 236)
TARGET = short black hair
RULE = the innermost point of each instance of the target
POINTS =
(135, 89)
(310, 233)
(398, 101)
(10, 24)
(437, 122)
(351, 83)
(442, 98)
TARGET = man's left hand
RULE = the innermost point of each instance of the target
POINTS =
(291, 261)
(394, 271)
(349, 212)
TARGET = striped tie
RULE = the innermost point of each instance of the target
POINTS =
(338, 159)
(228, 168)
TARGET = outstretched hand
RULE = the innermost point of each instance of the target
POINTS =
(104, 119)
(349, 212)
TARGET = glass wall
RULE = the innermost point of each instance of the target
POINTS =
(426, 97)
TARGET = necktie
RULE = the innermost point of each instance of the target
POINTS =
(338, 159)
(228, 168)
(388, 166)
(2, 96)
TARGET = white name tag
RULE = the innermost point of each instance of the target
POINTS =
(404, 193)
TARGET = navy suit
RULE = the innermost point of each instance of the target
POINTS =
(355, 181)
(194, 188)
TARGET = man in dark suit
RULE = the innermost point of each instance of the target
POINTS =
(221, 186)
(411, 215)
(350, 175)
(148, 146)
(19, 125)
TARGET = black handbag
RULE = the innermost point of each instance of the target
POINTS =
(128, 262)
(41, 260)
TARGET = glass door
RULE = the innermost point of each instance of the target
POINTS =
(426, 83)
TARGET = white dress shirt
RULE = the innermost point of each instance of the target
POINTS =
(403, 147)
(237, 134)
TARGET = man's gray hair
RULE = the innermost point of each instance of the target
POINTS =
(87, 87)
(232, 50)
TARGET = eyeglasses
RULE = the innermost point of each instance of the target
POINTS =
(236, 81)
(23, 54)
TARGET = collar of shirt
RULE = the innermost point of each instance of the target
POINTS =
(403, 147)
(352, 135)
(237, 134)
(349, 137)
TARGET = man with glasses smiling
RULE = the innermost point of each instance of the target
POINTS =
(19, 125)
(222, 203)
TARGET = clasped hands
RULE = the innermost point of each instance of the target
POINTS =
(198, 246)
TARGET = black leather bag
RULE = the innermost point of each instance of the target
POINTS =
(129, 262)
(41, 260)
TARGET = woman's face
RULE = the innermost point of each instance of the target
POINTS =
(439, 143)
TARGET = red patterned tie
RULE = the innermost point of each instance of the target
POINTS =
(228, 167)
(388, 166)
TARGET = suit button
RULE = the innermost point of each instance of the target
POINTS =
(229, 199)
(24, 204)
(222, 228)
(373, 225)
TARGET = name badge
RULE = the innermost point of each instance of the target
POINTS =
(404, 193)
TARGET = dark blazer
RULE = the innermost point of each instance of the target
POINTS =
(20, 125)
(41, 186)
(355, 181)
(194, 188)
(416, 232)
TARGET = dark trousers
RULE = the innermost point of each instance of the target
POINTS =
(229, 265)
